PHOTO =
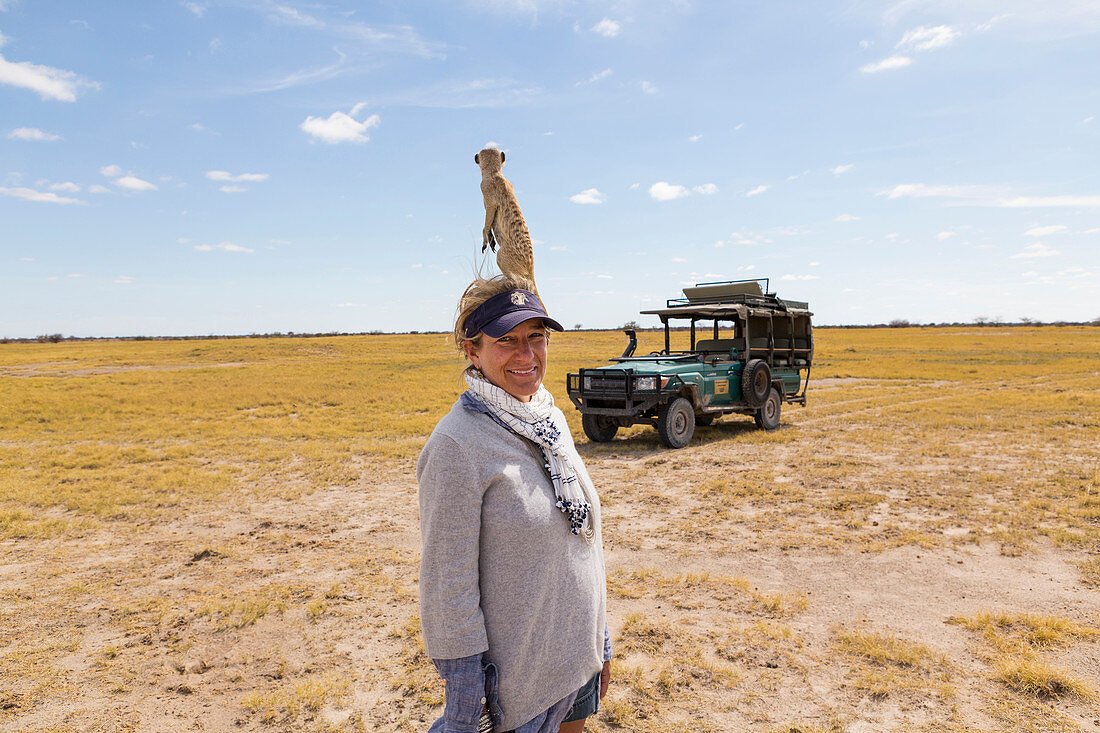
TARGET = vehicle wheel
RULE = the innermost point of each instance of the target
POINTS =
(767, 417)
(705, 419)
(756, 382)
(676, 423)
(599, 428)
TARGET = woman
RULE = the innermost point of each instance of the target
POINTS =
(512, 586)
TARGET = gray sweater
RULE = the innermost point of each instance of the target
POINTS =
(500, 570)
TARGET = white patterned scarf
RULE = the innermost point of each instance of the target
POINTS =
(542, 424)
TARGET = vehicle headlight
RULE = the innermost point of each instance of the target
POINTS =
(587, 384)
(645, 384)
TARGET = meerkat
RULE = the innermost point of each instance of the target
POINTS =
(505, 231)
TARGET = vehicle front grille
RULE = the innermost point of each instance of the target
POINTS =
(607, 383)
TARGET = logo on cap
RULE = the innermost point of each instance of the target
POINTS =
(519, 298)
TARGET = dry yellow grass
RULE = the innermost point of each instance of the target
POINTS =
(1035, 677)
(288, 462)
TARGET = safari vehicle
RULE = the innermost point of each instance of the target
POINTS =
(755, 355)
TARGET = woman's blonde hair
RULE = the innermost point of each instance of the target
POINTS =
(480, 290)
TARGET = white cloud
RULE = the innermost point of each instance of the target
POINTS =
(634, 186)
(1033, 251)
(199, 9)
(29, 194)
(588, 196)
(1046, 231)
(605, 277)
(924, 190)
(694, 138)
(995, 196)
(241, 178)
(800, 277)
(925, 38)
(26, 259)
(678, 259)
(648, 88)
(665, 191)
(183, 240)
(96, 188)
(607, 28)
(987, 25)
(838, 170)
(892, 62)
(1042, 202)
(595, 77)
(32, 134)
(232, 189)
(224, 246)
(757, 190)
(847, 217)
(559, 248)
(707, 189)
(110, 171)
(340, 127)
(67, 187)
(133, 183)
(123, 279)
(48, 82)
(944, 236)
(814, 264)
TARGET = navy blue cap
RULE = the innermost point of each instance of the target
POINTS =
(504, 311)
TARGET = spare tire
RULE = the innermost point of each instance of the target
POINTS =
(756, 380)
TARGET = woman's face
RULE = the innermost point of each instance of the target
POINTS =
(515, 362)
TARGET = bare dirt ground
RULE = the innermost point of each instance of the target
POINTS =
(800, 581)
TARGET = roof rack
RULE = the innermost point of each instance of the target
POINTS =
(748, 292)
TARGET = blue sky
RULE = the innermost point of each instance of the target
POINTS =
(177, 168)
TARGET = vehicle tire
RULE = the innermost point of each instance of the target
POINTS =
(676, 423)
(599, 428)
(767, 417)
(707, 418)
(756, 382)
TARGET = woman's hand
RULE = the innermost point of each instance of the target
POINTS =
(605, 678)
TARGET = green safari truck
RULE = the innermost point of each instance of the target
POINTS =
(749, 352)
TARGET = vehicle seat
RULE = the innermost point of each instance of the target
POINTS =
(717, 346)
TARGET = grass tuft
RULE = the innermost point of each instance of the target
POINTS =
(1035, 677)
(1035, 630)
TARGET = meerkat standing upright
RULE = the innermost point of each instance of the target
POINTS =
(505, 231)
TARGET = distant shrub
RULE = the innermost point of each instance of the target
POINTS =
(900, 323)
